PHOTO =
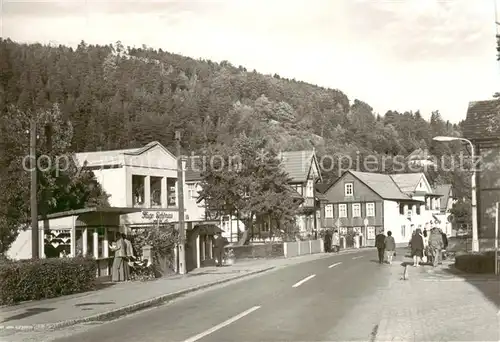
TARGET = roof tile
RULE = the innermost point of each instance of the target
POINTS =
(483, 120)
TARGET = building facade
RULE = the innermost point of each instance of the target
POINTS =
(144, 178)
(232, 228)
(482, 128)
(303, 170)
(366, 203)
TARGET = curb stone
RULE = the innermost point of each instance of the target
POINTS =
(118, 312)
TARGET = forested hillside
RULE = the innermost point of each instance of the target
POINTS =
(117, 97)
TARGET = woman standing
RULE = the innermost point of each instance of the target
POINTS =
(336, 240)
(417, 247)
(118, 270)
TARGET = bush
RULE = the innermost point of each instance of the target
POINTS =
(162, 239)
(476, 262)
(45, 278)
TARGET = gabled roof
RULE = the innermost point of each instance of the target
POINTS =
(445, 191)
(407, 182)
(483, 120)
(298, 164)
(382, 184)
(113, 157)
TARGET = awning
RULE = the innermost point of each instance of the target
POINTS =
(206, 229)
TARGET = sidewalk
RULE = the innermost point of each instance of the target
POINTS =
(124, 298)
(435, 305)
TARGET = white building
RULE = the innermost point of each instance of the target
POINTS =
(416, 186)
(143, 188)
(231, 227)
(143, 178)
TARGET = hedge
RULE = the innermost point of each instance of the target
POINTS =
(26, 280)
(476, 262)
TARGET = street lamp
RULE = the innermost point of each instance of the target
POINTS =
(475, 238)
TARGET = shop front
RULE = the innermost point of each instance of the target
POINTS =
(83, 232)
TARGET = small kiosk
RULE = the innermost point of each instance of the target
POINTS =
(81, 232)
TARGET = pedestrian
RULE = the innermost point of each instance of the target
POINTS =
(328, 241)
(380, 244)
(390, 247)
(436, 246)
(427, 254)
(220, 243)
(130, 256)
(336, 240)
(118, 270)
(445, 245)
(417, 247)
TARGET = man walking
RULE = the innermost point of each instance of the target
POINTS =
(380, 244)
(436, 246)
(445, 244)
(328, 241)
(220, 243)
(390, 247)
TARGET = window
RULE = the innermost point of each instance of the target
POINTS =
(192, 192)
(329, 211)
(138, 190)
(171, 192)
(401, 209)
(348, 187)
(370, 209)
(418, 209)
(155, 188)
(298, 188)
(409, 213)
(342, 210)
(403, 230)
(356, 210)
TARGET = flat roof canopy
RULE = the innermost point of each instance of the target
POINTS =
(107, 210)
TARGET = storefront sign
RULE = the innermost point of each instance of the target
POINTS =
(157, 215)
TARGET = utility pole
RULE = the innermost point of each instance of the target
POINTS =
(180, 196)
(34, 204)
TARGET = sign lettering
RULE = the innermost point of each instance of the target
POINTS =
(157, 215)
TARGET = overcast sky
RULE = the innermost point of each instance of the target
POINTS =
(401, 55)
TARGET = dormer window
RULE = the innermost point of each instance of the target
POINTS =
(349, 189)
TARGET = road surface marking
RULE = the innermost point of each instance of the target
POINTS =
(304, 280)
(357, 257)
(222, 325)
(333, 265)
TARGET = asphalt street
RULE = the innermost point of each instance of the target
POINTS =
(321, 300)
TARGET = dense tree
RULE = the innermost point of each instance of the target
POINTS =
(246, 180)
(118, 97)
(61, 184)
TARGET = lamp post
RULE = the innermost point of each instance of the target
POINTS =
(35, 239)
(475, 237)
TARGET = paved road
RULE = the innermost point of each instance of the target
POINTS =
(322, 300)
